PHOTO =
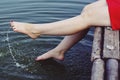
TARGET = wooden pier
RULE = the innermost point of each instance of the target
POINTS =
(105, 54)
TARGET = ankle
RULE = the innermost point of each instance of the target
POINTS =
(61, 51)
(35, 29)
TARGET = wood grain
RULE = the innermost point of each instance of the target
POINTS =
(98, 70)
(111, 44)
(96, 48)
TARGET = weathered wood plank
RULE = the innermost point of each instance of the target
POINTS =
(111, 44)
(98, 70)
(96, 48)
(112, 69)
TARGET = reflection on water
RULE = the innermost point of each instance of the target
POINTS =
(18, 51)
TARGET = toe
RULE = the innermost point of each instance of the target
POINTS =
(11, 24)
(39, 58)
(15, 29)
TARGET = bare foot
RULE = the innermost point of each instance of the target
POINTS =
(59, 55)
(25, 28)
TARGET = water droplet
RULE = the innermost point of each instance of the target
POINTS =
(0, 55)
(10, 50)
(20, 65)
(31, 72)
(27, 69)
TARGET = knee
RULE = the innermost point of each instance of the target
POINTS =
(87, 7)
(87, 11)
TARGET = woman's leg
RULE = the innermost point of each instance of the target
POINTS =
(66, 43)
(93, 14)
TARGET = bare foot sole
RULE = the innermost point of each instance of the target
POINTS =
(59, 55)
(24, 28)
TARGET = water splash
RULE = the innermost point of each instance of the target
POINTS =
(20, 65)
(10, 50)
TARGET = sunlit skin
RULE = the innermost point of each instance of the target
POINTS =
(73, 28)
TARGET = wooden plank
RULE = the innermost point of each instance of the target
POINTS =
(98, 70)
(111, 44)
(96, 48)
(112, 69)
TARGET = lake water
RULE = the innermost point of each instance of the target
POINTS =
(76, 66)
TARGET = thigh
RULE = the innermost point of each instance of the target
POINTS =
(100, 16)
(97, 13)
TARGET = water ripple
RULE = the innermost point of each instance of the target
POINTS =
(25, 49)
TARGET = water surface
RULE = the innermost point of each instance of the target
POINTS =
(76, 65)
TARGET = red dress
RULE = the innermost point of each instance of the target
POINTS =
(114, 12)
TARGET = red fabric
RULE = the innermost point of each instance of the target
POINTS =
(114, 12)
